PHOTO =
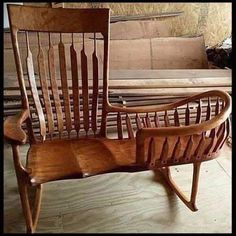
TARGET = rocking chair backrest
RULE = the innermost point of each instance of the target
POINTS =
(63, 94)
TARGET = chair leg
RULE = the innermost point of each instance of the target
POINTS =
(31, 217)
(37, 204)
(190, 203)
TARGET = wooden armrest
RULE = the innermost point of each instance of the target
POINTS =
(13, 132)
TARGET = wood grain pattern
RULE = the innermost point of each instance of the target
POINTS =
(75, 86)
(129, 127)
(60, 158)
(65, 92)
(176, 117)
(176, 151)
(44, 85)
(84, 75)
(187, 115)
(95, 88)
(53, 81)
(138, 121)
(156, 119)
(208, 115)
(34, 91)
(217, 107)
(166, 119)
(148, 121)
(164, 152)
(120, 198)
(119, 126)
(199, 112)
(189, 148)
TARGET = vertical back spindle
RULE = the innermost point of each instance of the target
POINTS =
(156, 119)
(151, 153)
(166, 119)
(84, 74)
(187, 115)
(188, 150)
(176, 150)
(176, 117)
(208, 115)
(44, 86)
(55, 93)
(217, 109)
(75, 85)
(148, 121)
(138, 121)
(199, 112)
(200, 147)
(34, 91)
(164, 152)
(129, 127)
(95, 87)
(64, 85)
(119, 126)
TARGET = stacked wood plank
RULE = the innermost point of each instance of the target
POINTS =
(138, 88)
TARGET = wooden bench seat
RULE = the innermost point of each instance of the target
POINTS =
(78, 158)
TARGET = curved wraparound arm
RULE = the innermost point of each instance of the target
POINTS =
(199, 128)
(184, 130)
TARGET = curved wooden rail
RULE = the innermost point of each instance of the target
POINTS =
(191, 130)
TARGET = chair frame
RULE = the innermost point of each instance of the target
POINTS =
(33, 19)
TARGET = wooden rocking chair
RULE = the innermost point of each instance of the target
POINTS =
(72, 141)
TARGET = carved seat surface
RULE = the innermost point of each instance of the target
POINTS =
(72, 140)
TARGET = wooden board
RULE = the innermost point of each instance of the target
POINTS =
(127, 202)
(140, 87)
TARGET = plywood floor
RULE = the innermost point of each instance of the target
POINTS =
(126, 203)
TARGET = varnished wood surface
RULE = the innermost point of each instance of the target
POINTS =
(33, 20)
(124, 86)
(128, 202)
(75, 158)
(86, 157)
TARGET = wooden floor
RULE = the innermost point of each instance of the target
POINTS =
(126, 203)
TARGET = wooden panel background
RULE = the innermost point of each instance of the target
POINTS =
(214, 20)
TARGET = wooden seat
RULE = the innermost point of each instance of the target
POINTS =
(72, 139)
(81, 157)
(89, 156)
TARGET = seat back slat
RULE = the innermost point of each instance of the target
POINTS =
(64, 84)
(84, 75)
(75, 85)
(95, 87)
(55, 92)
(34, 91)
(44, 85)
(64, 101)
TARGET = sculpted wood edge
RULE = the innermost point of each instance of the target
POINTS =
(193, 136)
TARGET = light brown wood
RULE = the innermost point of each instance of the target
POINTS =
(75, 86)
(134, 198)
(95, 88)
(84, 75)
(34, 91)
(52, 74)
(44, 85)
(58, 156)
(119, 126)
(129, 127)
(66, 99)
(179, 53)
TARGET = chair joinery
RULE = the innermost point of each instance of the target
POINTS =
(64, 99)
